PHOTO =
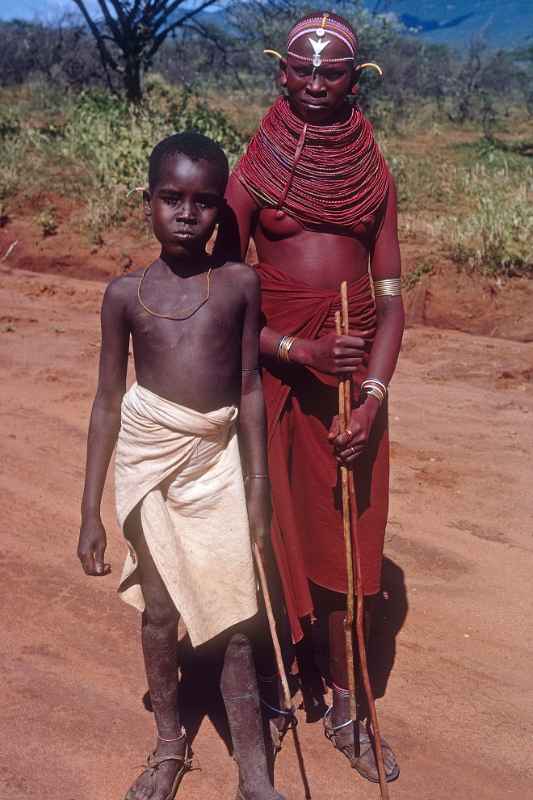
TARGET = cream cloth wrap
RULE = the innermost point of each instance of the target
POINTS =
(183, 468)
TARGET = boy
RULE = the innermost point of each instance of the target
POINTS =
(194, 324)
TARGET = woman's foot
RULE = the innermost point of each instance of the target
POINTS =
(355, 742)
(164, 770)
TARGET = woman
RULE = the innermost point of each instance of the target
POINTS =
(314, 192)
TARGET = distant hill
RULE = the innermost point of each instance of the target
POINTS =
(503, 23)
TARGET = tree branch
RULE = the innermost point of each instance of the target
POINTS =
(180, 22)
(105, 55)
(110, 22)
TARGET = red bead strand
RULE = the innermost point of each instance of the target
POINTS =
(319, 174)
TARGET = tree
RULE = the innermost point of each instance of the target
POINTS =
(129, 33)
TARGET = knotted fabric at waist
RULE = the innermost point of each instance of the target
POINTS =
(295, 308)
(146, 411)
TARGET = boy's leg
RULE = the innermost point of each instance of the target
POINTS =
(241, 697)
(159, 642)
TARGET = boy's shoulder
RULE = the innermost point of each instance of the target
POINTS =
(122, 288)
(241, 275)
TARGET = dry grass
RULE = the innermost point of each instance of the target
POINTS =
(463, 194)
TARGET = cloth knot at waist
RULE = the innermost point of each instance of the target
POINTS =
(147, 410)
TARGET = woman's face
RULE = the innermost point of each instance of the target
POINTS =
(317, 94)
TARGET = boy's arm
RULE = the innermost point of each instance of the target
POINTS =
(104, 426)
(252, 421)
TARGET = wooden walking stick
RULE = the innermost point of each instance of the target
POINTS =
(350, 521)
(272, 625)
(287, 701)
(349, 618)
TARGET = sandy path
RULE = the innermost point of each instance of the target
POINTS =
(458, 706)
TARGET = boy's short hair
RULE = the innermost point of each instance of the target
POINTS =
(193, 145)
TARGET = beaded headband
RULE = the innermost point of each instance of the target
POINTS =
(322, 27)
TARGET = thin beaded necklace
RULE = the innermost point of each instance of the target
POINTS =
(319, 174)
(183, 314)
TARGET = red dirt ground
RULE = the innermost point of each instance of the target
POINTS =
(454, 644)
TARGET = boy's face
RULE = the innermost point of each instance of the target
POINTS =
(316, 95)
(183, 206)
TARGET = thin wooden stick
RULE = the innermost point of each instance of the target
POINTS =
(359, 621)
(272, 625)
(279, 662)
(349, 618)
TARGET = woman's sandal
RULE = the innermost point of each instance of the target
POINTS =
(365, 744)
(277, 734)
(153, 762)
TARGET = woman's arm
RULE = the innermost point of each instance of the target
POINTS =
(384, 263)
(236, 222)
(336, 355)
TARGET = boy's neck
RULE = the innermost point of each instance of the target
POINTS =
(187, 264)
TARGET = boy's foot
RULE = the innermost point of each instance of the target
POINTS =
(280, 721)
(165, 768)
(360, 754)
(256, 794)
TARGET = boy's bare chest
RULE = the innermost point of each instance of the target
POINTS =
(197, 326)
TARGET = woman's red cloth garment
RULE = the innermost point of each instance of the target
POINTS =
(307, 531)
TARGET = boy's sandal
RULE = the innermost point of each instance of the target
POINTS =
(365, 745)
(153, 762)
(277, 734)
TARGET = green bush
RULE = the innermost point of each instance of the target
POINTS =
(115, 139)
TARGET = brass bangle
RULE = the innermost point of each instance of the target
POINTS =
(388, 287)
(284, 347)
(374, 382)
(374, 392)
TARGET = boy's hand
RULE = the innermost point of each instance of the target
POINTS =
(91, 547)
(259, 510)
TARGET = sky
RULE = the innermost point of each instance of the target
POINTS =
(29, 9)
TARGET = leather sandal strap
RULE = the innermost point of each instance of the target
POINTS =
(154, 761)
(284, 712)
(334, 728)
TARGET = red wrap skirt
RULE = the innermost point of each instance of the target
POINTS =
(307, 532)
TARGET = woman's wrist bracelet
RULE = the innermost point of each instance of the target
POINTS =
(284, 347)
(373, 387)
(264, 477)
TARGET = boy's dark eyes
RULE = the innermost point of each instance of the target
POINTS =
(204, 201)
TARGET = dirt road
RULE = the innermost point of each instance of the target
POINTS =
(455, 644)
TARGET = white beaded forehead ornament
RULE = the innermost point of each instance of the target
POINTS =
(322, 27)
(318, 27)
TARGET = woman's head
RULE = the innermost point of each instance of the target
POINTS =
(319, 71)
